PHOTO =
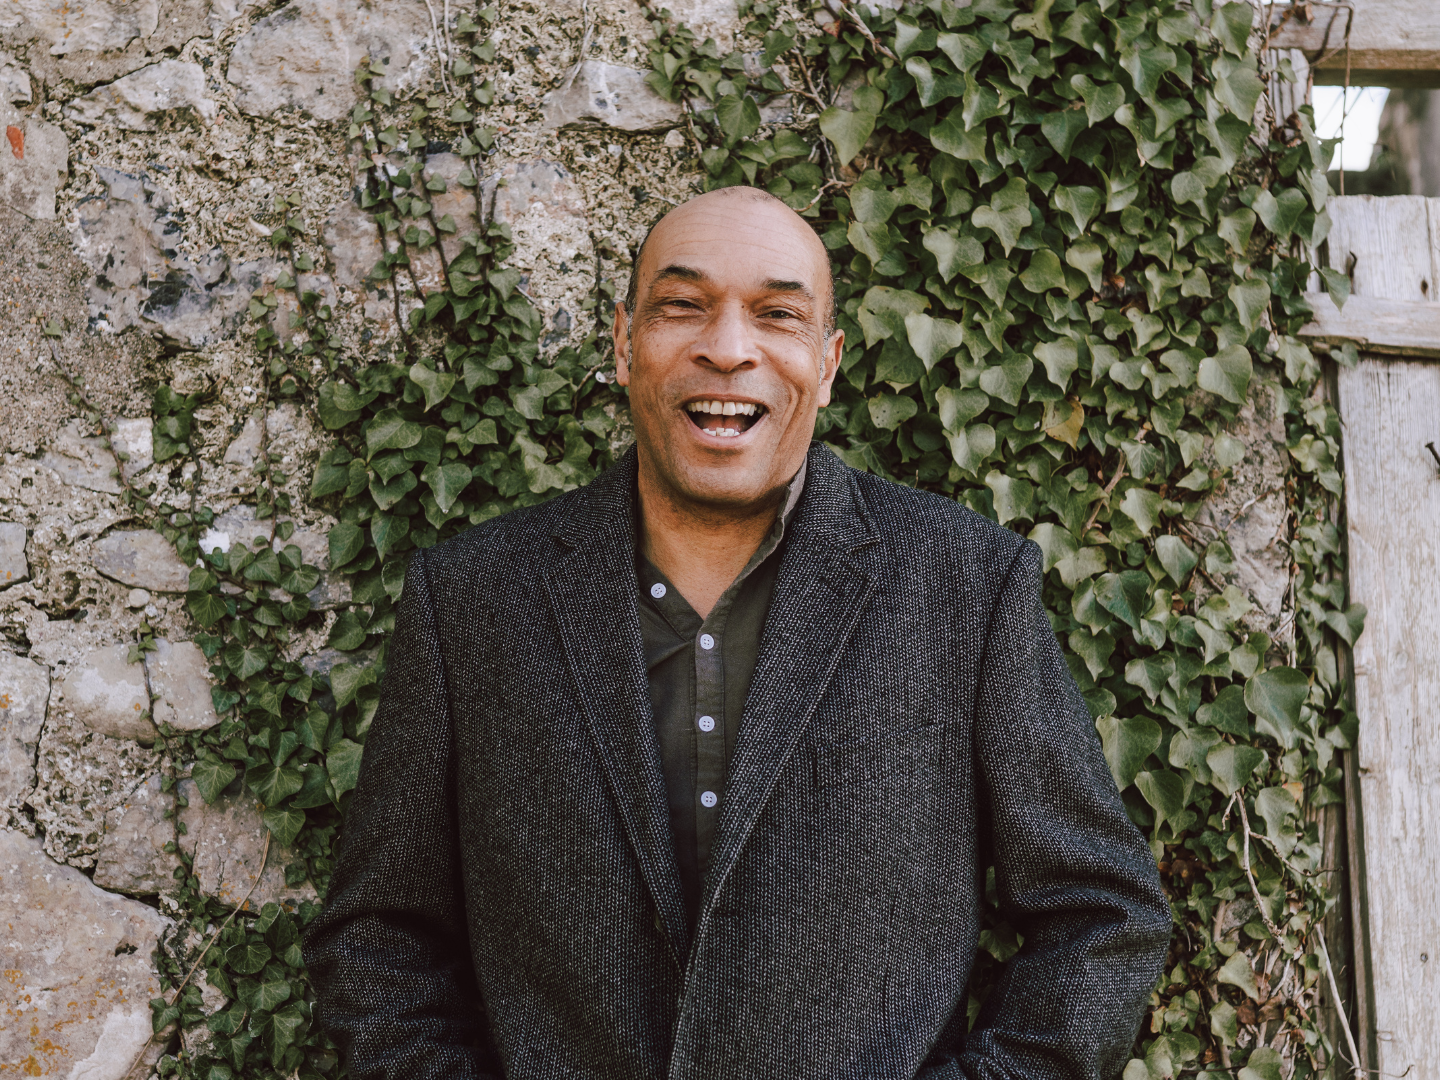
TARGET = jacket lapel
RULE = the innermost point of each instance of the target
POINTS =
(592, 592)
(826, 578)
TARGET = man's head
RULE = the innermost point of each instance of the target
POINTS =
(726, 342)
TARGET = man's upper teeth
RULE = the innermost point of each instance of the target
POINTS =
(723, 408)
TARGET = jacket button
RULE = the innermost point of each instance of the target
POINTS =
(708, 799)
(707, 723)
(707, 642)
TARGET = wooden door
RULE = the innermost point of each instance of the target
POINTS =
(1390, 407)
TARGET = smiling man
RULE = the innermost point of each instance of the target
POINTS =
(696, 772)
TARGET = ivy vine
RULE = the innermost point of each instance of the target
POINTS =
(1069, 249)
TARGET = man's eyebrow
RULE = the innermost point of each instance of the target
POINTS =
(675, 272)
(775, 285)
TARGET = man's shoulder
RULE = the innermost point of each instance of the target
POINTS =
(521, 535)
(907, 517)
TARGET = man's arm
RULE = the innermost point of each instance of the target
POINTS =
(1073, 874)
(389, 956)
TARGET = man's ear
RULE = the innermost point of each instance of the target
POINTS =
(620, 335)
(830, 364)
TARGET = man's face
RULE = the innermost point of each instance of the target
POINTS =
(727, 360)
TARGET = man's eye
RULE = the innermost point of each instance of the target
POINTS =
(780, 314)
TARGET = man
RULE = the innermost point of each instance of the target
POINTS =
(695, 772)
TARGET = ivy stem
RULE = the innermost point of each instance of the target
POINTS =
(1356, 1071)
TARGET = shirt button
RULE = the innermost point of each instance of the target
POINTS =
(657, 590)
(707, 723)
(708, 799)
(707, 642)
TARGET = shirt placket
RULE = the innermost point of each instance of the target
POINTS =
(710, 765)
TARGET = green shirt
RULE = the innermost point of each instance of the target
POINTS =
(699, 672)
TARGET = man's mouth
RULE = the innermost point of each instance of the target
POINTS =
(724, 419)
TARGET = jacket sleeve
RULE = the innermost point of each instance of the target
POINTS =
(389, 956)
(1072, 873)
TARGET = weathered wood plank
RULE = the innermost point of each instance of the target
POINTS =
(1392, 42)
(1391, 409)
(1393, 327)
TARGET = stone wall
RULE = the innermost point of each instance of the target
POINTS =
(146, 141)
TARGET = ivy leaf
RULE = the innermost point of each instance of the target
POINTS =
(1235, 228)
(206, 608)
(1006, 380)
(952, 252)
(1088, 257)
(1101, 101)
(1127, 742)
(1228, 372)
(300, 581)
(436, 385)
(889, 411)
(1281, 214)
(1265, 1063)
(1276, 697)
(391, 431)
(1064, 420)
(1142, 506)
(1231, 24)
(212, 776)
(1125, 595)
(739, 117)
(1232, 766)
(1224, 1023)
(345, 541)
(1150, 673)
(1177, 558)
(1044, 273)
(1336, 284)
(447, 482)
(970, 448)
(1237, 972)
(342, 763)
(1061, 357)
(1007, 214)
(247, 958)
(1164, 791)
(270, 994)
(331, 413)
(932, 339)
(387, 531)
(346, 680)
(959, 407)
(1062, 127)
(847, 130)
(244, 661)
(264, 567)
(285, 825)
(273, 783)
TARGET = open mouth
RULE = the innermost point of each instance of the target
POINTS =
(724, 419)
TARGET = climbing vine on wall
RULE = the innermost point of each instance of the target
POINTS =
(1068, 250)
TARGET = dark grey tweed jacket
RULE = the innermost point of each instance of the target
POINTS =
(506, 902)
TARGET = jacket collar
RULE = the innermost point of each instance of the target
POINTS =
(825, 578)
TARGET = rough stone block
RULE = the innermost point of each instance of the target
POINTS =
(141, 278)
(132, 857)
(137, 99)
(613, 96)
(96, 26)
(13, 567)
(107, 694)
(33, 163)
(227, 843)
(141, 558)
(304, 56)
(78, 971)
(14, 79)
(24, 696)
(352, 241)
(180, 682)
(81, 460)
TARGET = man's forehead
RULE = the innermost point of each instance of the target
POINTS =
(736, 237)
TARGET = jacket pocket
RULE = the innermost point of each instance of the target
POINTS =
(895, 757)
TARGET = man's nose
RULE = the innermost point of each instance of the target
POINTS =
(730, 341)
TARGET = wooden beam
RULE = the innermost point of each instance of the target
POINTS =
(1394, 327)
(1391, 42)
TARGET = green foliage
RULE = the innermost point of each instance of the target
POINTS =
(1067, 254)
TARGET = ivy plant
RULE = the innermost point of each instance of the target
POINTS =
(1071, 245)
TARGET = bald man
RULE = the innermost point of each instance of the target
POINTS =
(695, 772)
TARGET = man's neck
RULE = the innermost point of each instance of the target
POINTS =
(701, 549)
